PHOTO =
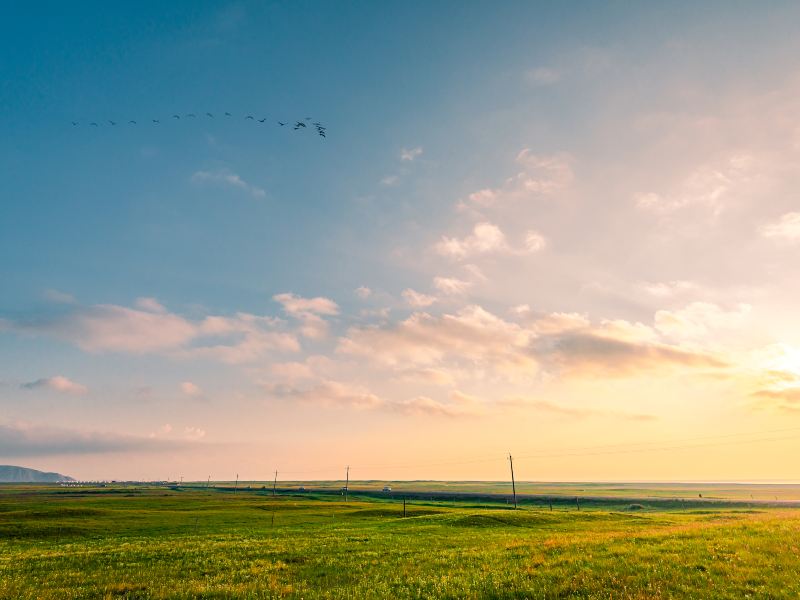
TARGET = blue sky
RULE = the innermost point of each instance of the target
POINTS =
(539, 208)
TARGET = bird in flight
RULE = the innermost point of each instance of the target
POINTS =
(305, 123)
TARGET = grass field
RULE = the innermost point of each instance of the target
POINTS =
(189, 543)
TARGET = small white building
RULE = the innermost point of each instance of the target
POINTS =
(387, 488)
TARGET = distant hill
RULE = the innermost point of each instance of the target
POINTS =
(11, 474)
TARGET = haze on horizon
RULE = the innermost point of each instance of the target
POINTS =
(565, 231)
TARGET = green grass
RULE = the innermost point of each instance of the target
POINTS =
(156, 543)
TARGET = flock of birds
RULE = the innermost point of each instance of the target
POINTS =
(304, 124)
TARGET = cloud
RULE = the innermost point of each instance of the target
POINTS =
(59, 297)
(191, 389)
(111, 328)
(484, 197)
(165, 429)
(193, 433)
(363, 292)
(589, 354)
(711, 186)
(471, 336)
(227, 178)
(329, 393)
(390, 180)
(573, 412)
(150, 305)
(458, 406)
(785, 399)
(698, 319)
(667, 289)
(429, 375)
(450, 285)
(57, 383)
(787, 228)
(534, 241)
(542, 76)
(542, 174)
(292, 371)
(485, 238)
(417, 299)
(409, 155)
(108, 327)
(22, 440)
(297, 306)
(310, 312)
(476, 342)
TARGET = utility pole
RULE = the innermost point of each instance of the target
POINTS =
(513, 483)
(347, 483)
(274, 483)
(236, 485)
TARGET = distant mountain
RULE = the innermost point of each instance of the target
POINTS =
(11, 474)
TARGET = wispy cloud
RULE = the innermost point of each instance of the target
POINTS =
(417, 299)
(787, 228)
(191, 389)
(59, 297)
(112, 328)
(21, 440)
(488, 238)
(57, 383)
(310, 311)
(542, 76)
(335, 394)
(451, 286)
(547, 406)
(227, 178)
(410, 154)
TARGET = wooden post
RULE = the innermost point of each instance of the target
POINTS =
(208, 482)
(577, 503)
(550, 502)
(236, 485)
(404, 506)
(274, 483)
(513, 484)
(347, 483)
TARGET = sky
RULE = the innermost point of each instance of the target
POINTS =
(566, 231)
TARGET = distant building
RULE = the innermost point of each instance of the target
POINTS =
(387, 488)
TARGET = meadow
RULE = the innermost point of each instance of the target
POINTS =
(184, 542)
